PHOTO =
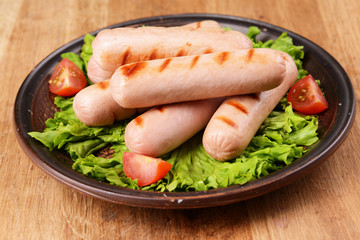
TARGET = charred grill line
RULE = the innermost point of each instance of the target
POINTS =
(238, 106)
(228, 121)
(130, 70)
(164, 64)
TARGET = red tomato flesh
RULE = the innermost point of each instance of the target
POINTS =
(146, 170)
(67, 79)
(306, 97)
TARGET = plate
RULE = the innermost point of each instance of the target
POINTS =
(34, 105)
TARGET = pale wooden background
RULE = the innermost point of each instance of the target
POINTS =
(323, 205)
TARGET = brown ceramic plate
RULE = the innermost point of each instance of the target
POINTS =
(34, 105)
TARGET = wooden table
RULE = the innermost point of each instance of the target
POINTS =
(323, 205)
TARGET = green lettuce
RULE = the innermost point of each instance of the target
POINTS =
(86, 50)
(283, 137)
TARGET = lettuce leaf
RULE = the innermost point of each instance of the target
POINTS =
(279, 142)
(67, 132)
(86, 50)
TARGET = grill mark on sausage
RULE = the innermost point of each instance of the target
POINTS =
(222, 57)
(139, 121)
(209, 50)
(188, 44)
(238, 106)
(153, 54)
(103, 85)
(250, 54)
(125, 56)
(131, 69)
(180, 53)
(164, 64)
(198, 25)
(194, 61)
(160, 108)
(285, 58)
(228, 121)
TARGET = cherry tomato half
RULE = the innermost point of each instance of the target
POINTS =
(146, 170)
(306, 96)
(67, 79)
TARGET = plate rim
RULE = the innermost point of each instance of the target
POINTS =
(180, 200)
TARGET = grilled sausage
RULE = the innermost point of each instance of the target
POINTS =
(115, 47)
(187, 78)
(238, 118)
(97, 74)
(94, 106)
(164, 128)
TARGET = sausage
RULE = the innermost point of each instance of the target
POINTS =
(164, 128)
(97, 74)
(162, 81)
(238, 118)
(94, 106)
(115, 47)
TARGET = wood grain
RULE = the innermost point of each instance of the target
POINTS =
(323, 205)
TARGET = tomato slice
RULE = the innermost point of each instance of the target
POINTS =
(306, 97)
(67, 79)
(146, 170)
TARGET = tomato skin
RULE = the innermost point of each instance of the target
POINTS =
(67, 79)
(146, 170)
(306, 97)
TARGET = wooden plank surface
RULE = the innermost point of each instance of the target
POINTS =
(323, 205)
